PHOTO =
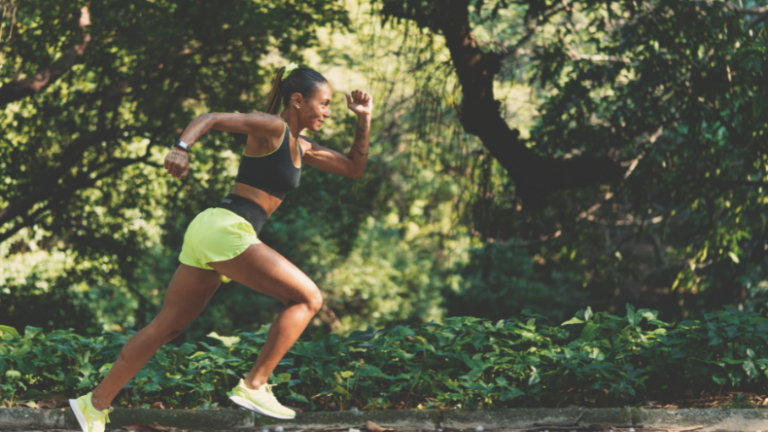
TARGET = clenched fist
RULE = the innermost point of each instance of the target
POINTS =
(177, 163)
(359, 102)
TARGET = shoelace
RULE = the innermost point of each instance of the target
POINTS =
(106, 415)
(269, 391)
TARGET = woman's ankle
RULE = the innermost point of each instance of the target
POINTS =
(99, 403)
(255, 383)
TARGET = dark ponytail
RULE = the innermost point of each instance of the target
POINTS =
(301, 80)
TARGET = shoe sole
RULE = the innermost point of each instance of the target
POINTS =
(78, 414)
(245, 403)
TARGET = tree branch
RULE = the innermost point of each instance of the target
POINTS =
(22, 88)
(535, 176)
(55, 197)
(46, 187)
(758, 19)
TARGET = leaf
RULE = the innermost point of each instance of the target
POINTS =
(535, 378)
(30, 332)
(589, 332)
(8, 330)
(373, 427)
(714, 339)
(750, 369)
(631, 315)
(719, 378)
(227, 341)
(363, 335)
(573, 320)
(46, 404)
(588, 314)
(298, 397)
(512, 393)
(734, 258)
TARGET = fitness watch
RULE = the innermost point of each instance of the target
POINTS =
(182, 145)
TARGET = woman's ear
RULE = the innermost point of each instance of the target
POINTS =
(297, 100)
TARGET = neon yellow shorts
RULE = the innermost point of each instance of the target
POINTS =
(215, 235)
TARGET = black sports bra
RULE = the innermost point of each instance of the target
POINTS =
(274, 172)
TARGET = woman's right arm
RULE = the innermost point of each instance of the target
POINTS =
(259, 124)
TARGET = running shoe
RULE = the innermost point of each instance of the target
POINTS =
(261, 400)
(90, 419)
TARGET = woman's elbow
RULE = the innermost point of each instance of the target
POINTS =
(206, 118)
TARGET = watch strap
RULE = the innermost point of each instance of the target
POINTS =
(182, 145)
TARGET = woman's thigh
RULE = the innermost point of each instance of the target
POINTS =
(186, 297)
(264, 270)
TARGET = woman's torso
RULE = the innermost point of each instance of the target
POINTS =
(269, 165)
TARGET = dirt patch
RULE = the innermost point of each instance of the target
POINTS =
(723, 400)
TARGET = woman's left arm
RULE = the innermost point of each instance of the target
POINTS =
(352, 165)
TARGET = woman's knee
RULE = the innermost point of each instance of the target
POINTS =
(164, 331)
(314, 299)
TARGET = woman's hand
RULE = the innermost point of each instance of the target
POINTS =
(360, 102)
(177, 163)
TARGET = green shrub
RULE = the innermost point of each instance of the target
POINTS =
(465, 362)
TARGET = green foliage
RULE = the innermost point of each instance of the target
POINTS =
(678, 99)
(673, 91)
(465, 362)
(383, 249)
(499, 281)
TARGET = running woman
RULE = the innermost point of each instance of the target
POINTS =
(223, 240)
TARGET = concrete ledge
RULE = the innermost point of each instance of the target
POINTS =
(711, 419)
(22, 419)
(526, 417)
(218, 420)
(204, 420)
(400, 419)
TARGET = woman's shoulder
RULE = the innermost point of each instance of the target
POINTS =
(307, 139)
(273, 124)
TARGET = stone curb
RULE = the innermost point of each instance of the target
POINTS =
(240, 420)
(712, 419)
(525, 417)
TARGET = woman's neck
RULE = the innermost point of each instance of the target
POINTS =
(292, 120)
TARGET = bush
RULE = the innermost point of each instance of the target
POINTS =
(466, 362)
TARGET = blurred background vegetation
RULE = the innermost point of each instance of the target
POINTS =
(673, 93)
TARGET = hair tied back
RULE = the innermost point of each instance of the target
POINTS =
(289, 80)
(290, 68)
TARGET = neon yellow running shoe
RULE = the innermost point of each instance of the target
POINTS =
(261, 400)
(90, 419)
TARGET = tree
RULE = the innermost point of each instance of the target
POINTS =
(641, 95)
(84, 132)
(143, 62)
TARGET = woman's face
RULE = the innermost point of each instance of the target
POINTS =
(313, 111)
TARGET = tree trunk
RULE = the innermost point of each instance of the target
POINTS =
(535, 176)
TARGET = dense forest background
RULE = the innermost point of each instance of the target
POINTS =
(532, 154)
